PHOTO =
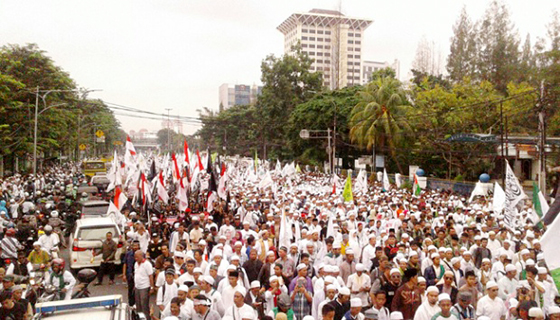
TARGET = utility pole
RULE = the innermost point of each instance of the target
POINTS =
(542, 143)
(168, 129)
(502, 144)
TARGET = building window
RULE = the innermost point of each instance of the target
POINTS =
(319, 46)
(311, 31)
(327, 32)
(357, 49)
(358, 35)
(327, 47)
(350, 49)
(319, 31)
(319, 53)
(327, 39)
(327, 54)
(327, 61)
(319, 39)
(350, 56)
(350, 34)
(303, 38)
(350, 42)
(311, 46)
(304, 45)
(357, 71)
(312, 38)
(311, 53)
(349, 70)
(319, 68)
(319, 61)
(356, 78)
(303, 30)
(349, 77)
(357, 56)
(357, 42)
(327, 68)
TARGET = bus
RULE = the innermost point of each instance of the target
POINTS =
(93, 167)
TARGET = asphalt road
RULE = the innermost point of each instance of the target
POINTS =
(105, 289)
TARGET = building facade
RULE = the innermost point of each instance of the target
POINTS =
(333, 40)
(239, 94)
(369, 67)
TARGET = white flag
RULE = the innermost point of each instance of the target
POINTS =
(514, 194)
(386, 184)
(499, 199)
(285, 232)
(398, 180)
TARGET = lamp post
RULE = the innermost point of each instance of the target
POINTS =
(37, 113)
(306, 134)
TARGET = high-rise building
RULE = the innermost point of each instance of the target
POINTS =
(333, 40)
(369, 67)
(239, 94)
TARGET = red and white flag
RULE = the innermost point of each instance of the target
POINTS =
(161, 191)
(120, 198)
(176, 172)
(145, 190)
(186, 150)
(129, 146)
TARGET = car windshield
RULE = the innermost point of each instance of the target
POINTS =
(94, 165)
(96, 232)
(100, 180)
(98, 210)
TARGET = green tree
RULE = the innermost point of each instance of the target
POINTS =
(320, 113)
(287, 82)
(462, 56)
(498, 48)
(380, 111)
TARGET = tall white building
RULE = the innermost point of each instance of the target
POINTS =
(369, 67)
(333, 40)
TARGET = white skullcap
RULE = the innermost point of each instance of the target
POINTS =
(396, 315)
(530, 262)
(432, 289)
(421, 280)
(395, 270)
(443, 297)
(536, 313)
(553, 310)
(491, 284)
(209, 280)
(355, 302)
(241, 290)
(331, 287)
(510, 267)
(344, 291)
(360, 267)
(183, 288)
(255, 284)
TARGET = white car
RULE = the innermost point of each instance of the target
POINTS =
(89, 236)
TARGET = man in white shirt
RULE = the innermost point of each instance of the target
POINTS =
(490, 305)
(230, 289)
(508, 284)
(215, 297)
(168, 290)
(369, 252)
(359, 284)
(239, 309)
(143, 282)
(429, 307)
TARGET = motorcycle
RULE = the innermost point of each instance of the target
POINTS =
(85, 277)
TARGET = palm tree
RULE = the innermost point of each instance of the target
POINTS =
(381, 110)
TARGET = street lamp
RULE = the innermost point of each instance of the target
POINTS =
(37, 113)
(306, 134)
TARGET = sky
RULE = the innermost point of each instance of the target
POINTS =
(174, 54)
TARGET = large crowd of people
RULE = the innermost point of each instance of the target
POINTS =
(290, 248)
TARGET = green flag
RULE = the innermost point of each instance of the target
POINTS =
(540, 207)
(347, 193)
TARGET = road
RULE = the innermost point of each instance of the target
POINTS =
(118, 288)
